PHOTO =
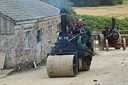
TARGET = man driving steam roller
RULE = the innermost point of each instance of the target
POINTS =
(86, 37)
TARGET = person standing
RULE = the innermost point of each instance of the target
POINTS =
(88, 35)
(85, 40)
(73, 28)
(79, 25)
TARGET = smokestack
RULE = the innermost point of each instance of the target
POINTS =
(113, 22)
(63, 12)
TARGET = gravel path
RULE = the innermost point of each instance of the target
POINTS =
(108, 68)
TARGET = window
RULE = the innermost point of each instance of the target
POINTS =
(6, 26)
(49, 33)
(27, 40)
(38, 36)
(59, 29)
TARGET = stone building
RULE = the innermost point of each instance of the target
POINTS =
(28, 30)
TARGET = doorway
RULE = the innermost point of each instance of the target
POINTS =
(38, 47)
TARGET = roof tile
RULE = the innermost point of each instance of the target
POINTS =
(27, 9)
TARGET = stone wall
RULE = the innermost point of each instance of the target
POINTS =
(14, 45)
(7, 46)
(47, 44)
(24, 58)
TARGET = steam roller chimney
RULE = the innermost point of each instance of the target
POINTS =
(63, 12)
(113, 22)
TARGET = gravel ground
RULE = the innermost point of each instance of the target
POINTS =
(108, 68)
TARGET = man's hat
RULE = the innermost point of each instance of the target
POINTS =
(73, 22)
(83, 24)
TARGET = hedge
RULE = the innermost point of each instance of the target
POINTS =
(82, 3)
(99, 22)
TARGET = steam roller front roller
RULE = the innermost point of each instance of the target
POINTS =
(61, 66)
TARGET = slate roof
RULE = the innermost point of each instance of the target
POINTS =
(21, 10)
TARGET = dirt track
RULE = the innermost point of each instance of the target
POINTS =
(108, 68)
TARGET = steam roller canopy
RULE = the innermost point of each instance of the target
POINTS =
(61, 66)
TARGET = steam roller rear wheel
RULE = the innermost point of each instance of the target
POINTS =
(61, 66)
(92, 49)
(85, 66)
(118, 42)
(124, 44)
(106, 45)
(101, 42)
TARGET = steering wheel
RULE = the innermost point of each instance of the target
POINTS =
(83, 33)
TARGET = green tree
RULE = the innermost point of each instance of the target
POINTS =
(81, 3)
(78, 3)
(111, 2)
(92, 3)
(120, 1)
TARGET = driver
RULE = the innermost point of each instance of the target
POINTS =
(88, 36)
(73, 28)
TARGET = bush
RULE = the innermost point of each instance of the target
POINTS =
(120, 1)
(81, 3)
(111, 2)
(108, 2)
(99, 22)
(123, 31)
(92, 3)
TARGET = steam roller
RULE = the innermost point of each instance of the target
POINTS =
(110, 37)
(70, 54)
